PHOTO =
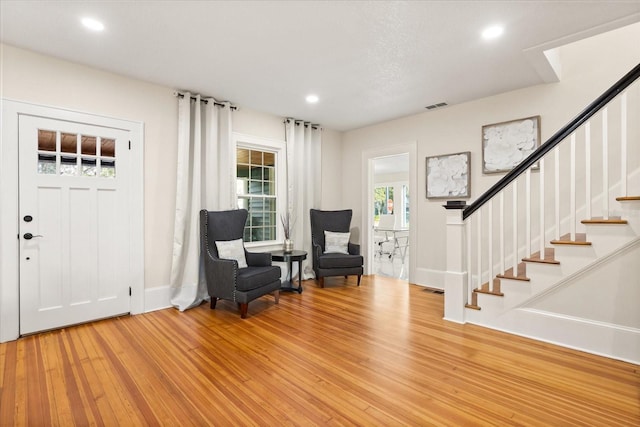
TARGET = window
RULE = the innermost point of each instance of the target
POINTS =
(260, 186)
(71, 154)
(391, 199)
(383, 202)
(405, 192)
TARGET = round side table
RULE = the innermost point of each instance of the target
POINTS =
(290, 258)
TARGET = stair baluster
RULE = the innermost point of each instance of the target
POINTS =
(481, 267)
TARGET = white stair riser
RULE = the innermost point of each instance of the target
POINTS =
(606, 238)
(631, 212)
(491, 304)
(510, 286)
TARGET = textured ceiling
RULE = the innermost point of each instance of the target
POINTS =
(368, 61)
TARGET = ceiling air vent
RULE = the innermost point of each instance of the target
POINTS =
(438, 105)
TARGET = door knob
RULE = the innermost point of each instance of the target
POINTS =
(29, 236)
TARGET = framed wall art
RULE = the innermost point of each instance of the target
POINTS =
(448, 176)
(506, 144)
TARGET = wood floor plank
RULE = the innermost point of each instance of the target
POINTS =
(376, 355)
(8, 388)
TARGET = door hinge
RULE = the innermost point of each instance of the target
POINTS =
(129, 145)
(129, 290)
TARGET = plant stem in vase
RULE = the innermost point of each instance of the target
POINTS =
(287, 226)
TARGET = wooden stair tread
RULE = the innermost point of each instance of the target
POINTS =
(600, 220)
(474, 302)
(549, 257)
(580, 240)
(521, 274)
(484, 289)
(627, 198)
(488, 292)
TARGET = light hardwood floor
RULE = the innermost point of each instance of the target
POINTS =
(378, 354)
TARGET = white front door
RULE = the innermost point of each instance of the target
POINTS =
(73, 222)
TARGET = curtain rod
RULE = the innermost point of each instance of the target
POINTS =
(297, 122)
(218, 104)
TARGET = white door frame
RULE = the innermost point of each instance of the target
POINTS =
(9, 208)
(368, 158)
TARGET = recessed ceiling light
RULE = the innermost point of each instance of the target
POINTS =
(312, 99)
(92, 24)
(492, 32)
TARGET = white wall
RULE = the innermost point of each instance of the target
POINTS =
(589, 68)
(31, 77)
(391, 177)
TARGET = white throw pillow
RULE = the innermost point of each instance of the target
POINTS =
(336, 242)
(232, 249)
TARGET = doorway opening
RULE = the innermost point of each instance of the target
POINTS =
(391, 216)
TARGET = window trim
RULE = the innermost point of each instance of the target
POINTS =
(278, 147)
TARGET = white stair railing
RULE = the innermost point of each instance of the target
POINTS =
(489, 240)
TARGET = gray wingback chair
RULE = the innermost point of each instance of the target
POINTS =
(333, 264)
(224, 279)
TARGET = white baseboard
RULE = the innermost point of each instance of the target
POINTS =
(429, 278)
(157, 298)
(599, 338)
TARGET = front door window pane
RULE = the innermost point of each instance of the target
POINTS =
(89, 167)
(107, 147)
(88, 145)
(46, 140)
(68, 166)
(47, 164)
(69, 143)
(108, 168)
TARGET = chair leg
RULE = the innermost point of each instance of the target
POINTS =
(214, 300)
(359, 276)
(321, 281)
(244, 307)
(276, 294)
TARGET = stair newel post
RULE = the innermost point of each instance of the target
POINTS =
(455, 286)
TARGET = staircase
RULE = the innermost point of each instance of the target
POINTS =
(552, 251)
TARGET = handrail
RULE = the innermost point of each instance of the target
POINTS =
(552, 142)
